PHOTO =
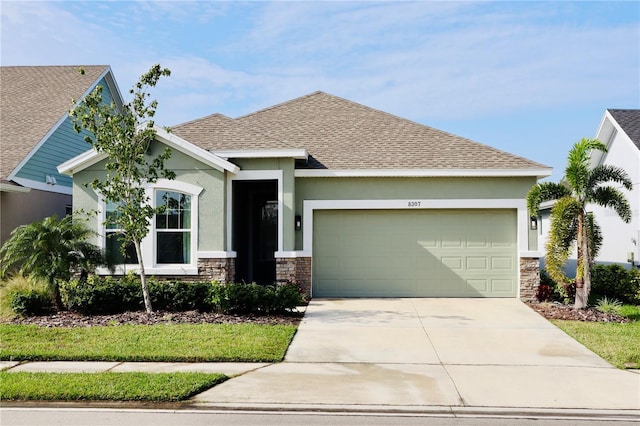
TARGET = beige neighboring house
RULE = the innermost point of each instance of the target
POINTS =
(36, 135)
(343, 199)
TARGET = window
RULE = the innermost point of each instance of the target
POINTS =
(173, 227)
(114, 239)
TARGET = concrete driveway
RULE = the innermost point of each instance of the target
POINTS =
(427, 353)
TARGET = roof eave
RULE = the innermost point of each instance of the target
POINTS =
(297, 154)
(537, 173)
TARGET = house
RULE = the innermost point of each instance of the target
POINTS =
(37, 135)
(343, 199)
(620, 131)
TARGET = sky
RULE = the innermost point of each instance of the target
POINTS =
(530, 78)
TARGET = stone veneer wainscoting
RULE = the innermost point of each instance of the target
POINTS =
(529, 278)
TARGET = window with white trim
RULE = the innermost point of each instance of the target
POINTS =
(173, 227)
(115, 239)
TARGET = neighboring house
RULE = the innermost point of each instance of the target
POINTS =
(343, 199)
(36, 135)
(620, 131)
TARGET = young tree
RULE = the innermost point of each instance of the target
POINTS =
(51, 249)
(570, 221)
(125, 136)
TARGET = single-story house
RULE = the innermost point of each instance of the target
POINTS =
(37, 135)
(619, 130)
(343, 199)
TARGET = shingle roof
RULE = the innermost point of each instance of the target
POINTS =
(32, 100)
(219, 132)
(629, 120)
(343, 135)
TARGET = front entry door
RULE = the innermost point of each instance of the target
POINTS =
(255, 230)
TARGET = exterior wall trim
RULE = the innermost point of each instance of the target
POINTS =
(42, 186)
(255, 175)
(217, 254)
(539, 173)
(298, 154)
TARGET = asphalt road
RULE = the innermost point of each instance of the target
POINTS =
(97, 417)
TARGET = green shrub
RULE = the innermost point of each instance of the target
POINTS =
(609, 306)
(614, 281)
(32, 302)
(24, 296)
(181, 295)
(243, 298)
(103, 295)
(109, 295)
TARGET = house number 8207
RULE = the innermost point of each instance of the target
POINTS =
(414, 204)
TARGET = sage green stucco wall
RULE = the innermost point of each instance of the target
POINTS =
(211, 202)
(287, 165)
(376, 188)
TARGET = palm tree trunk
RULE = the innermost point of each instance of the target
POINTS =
(143, 279)
(582, 269)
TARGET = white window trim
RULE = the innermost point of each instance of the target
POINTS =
(255, 175)
(148, 243)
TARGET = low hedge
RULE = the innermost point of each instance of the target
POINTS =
(109, 295)
(241, 298)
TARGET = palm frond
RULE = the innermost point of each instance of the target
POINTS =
(577, 170)
(545, 191)
(607, 196)
(606, 173)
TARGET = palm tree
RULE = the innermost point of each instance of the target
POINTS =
(51, 249)
(570, 221)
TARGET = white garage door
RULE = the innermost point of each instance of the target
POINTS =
(414, 253)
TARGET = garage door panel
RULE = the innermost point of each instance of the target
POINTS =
(421, 253)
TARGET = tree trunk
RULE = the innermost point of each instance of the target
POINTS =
(143, 279)
(582, 268)
(57, 298)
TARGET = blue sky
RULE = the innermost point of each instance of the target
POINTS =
(530, 78)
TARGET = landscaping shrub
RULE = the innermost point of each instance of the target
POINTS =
(109, 295)
(24, 296)
(564, 293)
(32, 301)
(180, 295)
(616, 282)
(609, 306)
(544, 293)
(103, 295)
(243, 298)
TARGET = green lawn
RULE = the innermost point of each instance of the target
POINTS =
(168, 343)
(618, 344)
(159, 387)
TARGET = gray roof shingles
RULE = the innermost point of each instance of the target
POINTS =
(343, 135)
(629, 120)
(32, 100)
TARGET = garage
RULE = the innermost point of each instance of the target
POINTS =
(415, 253)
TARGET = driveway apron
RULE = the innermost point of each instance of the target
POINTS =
(409, 353)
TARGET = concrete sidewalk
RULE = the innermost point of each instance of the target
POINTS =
(459, 356)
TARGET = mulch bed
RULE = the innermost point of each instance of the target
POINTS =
(565, 312)
(70, 319)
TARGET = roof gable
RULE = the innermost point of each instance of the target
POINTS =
(629, 122)
(35, 101)
(343, 135)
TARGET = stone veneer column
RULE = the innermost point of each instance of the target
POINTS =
(222, 270)
(529, 278)
(295, 270)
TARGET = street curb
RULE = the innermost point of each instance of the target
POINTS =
(632, 415)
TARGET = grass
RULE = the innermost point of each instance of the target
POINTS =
(158, 343)
(158, 387)
(618, 344)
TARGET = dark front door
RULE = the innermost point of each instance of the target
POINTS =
(255, 230)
